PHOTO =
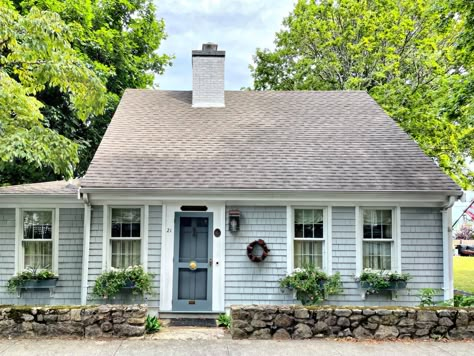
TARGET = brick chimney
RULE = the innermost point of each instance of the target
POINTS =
(208, 77)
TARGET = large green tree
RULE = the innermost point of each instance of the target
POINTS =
(35, 55)
(119, 40)
(405, 53)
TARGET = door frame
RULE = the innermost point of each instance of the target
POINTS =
(167, 252)
(181, 306)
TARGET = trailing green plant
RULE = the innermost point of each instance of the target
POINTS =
(311, 284)
(30, 274)
(378, 280)
(224, 320)
(110, 283)
(152, 324)
(426, 296)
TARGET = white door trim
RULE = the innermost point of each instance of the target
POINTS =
(167, 253)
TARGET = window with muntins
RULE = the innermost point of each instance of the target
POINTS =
(308, 240)
(377, 239)
(125, 240)
(37, 239)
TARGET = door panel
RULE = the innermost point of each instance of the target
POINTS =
(192, 271)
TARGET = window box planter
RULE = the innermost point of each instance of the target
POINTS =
(40, 283)
(34, 284)
(394, 285)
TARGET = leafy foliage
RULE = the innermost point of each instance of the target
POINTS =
(426, 299)
(426, 296)
(407, 54)
(152, 324)
(118, 41)
(29, 274)
(224, 320)
(311, 284)
(466, 232)
(377, 280)
(110, 283)
(36, 55)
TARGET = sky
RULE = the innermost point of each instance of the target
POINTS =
(237, 26)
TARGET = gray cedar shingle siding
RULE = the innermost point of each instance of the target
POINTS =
(321, 141)
(247, 282)
(68, 290)
(153, 250)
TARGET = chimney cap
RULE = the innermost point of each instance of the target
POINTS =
(208, 50)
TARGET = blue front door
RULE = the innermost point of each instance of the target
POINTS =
(192, 281)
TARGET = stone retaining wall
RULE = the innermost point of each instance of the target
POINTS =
(88, 321)
(297, 322)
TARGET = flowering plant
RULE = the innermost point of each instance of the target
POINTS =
(30, 274)
(311, 284)
(109, 283)
(377, 280)
(466, 232)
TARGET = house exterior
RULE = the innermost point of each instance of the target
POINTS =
(183, 181)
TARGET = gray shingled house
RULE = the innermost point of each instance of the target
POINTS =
(195, 176)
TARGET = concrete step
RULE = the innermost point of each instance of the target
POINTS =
(189, 319)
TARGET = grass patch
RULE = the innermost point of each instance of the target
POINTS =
(463, 268)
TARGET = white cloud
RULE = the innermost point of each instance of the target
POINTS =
(238, 26)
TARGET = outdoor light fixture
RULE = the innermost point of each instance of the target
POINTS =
(234, 220)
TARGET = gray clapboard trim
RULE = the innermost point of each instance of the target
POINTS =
(69, 260)
(247, 282)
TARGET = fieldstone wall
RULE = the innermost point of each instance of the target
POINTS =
(83, 321)
(297, 322)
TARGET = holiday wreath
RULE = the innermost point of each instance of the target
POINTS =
(256, 258)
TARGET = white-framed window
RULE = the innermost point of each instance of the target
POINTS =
(125, 236)
(309, 235)
(37, 239)
(378, 234)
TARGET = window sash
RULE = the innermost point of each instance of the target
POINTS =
(308, 223)
(30, 230)
(125, 236)
(308, 252)
(125, 253)
(378, 223)
(38, 254)
(377, 255)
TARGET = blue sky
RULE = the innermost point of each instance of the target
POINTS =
(237, 26)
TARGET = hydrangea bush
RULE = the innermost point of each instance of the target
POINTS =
(466, 232)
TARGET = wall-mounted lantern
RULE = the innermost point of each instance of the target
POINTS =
(234, 220)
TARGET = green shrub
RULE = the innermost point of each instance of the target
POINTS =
(152, 324)
(463, 301)
(311, 284)
(31, 273)
(109, 284)
(224, 320)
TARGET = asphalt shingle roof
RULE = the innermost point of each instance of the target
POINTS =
(60, 187)
(295, 140)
